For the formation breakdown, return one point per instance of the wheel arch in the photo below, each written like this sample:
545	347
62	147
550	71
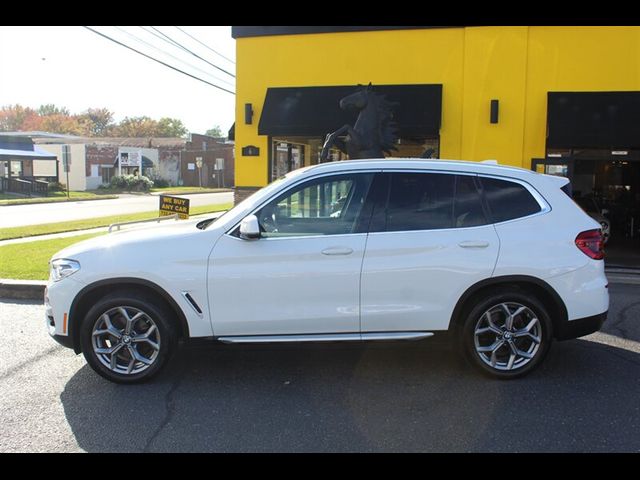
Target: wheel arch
89	294
542	290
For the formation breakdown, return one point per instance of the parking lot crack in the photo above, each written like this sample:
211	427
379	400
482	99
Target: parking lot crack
29	362
169	401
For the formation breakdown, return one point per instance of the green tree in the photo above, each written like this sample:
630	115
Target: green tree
52	109
215	132
99	121
136	127
171	127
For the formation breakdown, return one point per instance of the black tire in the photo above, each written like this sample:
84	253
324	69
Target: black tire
489	312
144	351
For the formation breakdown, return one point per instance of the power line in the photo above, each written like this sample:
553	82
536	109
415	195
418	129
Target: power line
158	61
204	45
138	39
174	57
192	53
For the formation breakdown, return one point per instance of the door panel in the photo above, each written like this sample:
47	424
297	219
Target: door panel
303	275
412	280
429	242
286	285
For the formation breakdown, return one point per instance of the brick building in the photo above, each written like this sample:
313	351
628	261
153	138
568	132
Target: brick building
175	160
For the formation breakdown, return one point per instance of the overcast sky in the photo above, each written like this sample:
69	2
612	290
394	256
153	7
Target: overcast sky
75	68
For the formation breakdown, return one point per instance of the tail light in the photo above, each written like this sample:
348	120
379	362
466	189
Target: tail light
591	243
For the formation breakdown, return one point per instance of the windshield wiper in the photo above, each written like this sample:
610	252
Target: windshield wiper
205	223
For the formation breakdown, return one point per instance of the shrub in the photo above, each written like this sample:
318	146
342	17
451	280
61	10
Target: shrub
57	187
131	183
160	182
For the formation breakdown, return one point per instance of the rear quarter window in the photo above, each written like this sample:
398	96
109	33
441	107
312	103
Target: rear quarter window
508	200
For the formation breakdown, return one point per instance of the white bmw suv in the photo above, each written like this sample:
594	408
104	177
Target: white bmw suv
365	250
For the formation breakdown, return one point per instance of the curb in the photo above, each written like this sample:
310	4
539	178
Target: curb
66	200
22	289
627	279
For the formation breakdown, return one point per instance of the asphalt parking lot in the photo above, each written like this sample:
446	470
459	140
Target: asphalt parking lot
323	398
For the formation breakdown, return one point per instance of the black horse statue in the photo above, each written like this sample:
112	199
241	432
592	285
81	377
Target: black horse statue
374	132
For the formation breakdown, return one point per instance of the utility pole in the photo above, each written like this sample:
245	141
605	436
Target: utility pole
66	163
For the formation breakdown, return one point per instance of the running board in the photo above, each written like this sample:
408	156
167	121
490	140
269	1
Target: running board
331	337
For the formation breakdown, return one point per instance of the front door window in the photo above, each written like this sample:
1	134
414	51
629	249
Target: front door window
327	206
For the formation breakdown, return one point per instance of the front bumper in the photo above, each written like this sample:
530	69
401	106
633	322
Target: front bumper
580	326
58	297
64	340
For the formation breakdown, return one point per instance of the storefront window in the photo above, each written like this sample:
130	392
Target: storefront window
286	158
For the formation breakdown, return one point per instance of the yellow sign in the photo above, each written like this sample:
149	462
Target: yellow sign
172	205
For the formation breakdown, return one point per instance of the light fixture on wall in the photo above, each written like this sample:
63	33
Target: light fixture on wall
248	113
493	118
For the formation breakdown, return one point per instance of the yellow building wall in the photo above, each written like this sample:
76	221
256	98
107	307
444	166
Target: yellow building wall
515	65
494	68
386	57
577	59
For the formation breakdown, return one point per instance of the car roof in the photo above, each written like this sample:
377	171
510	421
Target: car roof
421	164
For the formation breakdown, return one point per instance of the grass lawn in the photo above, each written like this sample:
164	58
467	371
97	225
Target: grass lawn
43	229
30	260
184	190
6	199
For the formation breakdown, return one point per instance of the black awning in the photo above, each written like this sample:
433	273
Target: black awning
315	111
593	120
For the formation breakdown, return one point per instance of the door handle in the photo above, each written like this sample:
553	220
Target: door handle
474	244
337	251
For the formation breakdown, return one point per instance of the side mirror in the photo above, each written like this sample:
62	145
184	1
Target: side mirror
250	228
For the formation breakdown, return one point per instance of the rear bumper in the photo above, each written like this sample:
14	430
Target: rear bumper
580	327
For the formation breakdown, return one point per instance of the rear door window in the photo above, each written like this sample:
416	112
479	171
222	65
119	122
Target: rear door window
468	210
420	201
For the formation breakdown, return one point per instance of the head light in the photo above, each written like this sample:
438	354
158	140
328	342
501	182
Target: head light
61	268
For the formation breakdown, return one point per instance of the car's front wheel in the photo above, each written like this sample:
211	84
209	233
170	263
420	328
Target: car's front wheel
507	334
127	337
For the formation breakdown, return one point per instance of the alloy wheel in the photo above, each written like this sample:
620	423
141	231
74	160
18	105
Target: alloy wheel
507	336
126	340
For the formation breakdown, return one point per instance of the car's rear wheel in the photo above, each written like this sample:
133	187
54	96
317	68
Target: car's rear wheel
127	337
507	334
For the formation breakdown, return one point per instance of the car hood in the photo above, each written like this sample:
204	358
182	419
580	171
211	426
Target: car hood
139	239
